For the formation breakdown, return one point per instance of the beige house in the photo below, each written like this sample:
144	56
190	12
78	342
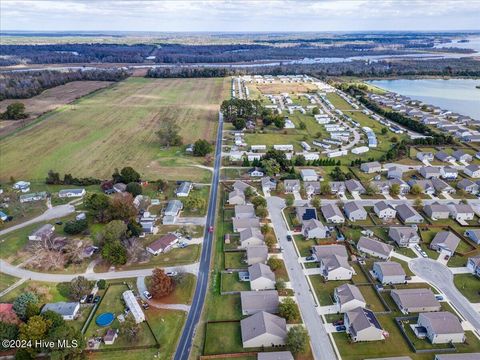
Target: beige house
263	329
442	327
415	300
362	325
348	297
261	277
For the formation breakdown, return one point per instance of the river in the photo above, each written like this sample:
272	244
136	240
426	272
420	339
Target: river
458	95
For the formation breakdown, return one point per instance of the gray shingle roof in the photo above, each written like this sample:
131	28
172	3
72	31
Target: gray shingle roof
442	322
445	239
347	292
374	245
61	308
258	271
263	323
390	268
361	319
255	301
275	355
330	210
409	298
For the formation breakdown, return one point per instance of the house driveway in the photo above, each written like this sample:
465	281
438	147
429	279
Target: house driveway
191	220
330	309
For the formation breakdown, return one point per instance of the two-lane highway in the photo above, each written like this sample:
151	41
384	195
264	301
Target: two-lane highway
185	343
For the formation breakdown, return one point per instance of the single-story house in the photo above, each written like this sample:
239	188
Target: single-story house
462	356
415	300
337	188
163	244
425	156
23	186
384	211
263	329
236	197
71	193
445	241
132	303
448	173
362	325
173	208
441	187
241	185
408	215
333	261
257	254
394	172
261	277
468	186
268	184
389	272
404	235
354	212
461	212
442	327
256	301
312	187
42	195
332	214
68	310
371	167
473	234
443	156
460	155
184	189
244	211
256	172
314	229
374	247
472	171
437	211
348	297
251	236
119	187
43	233
308	175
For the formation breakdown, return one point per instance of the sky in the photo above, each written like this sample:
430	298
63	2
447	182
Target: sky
239	15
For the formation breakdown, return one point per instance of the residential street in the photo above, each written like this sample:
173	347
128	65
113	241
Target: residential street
440	276
321	346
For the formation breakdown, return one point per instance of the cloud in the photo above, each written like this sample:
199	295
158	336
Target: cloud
245	15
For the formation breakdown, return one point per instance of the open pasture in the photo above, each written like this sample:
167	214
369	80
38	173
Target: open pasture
116	127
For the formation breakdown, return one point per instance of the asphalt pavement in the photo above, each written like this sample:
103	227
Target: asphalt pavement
186	339
321	346
442	278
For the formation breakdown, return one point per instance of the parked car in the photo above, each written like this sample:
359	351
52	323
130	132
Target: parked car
310	258
83	299
338	323
90	298
59	223
439	297
147	294
96	299
341	328
446	257
289	238
171	273
408	277
424	254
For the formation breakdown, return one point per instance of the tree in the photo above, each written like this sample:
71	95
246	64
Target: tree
316	202
15	111
259	201
281	187
239	124
8	331
289	199
31	310
161	284
249	192
302	125
297	339
128	175
271	167
279	122
63	332
35	329
395	190
325	188
195	202
130	328
300	160
274	263
315	111
202	147
168	133
98	204
79	287
73	227
134	188
370	189
261	212
415	189
101	284
21	302
115	230
114	253
134	228
270	241
122	208
418	203
384	130
288	309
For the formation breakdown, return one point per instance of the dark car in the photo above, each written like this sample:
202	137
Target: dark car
338	323
90	298
289	237
59	223
310	258
96	299
341	328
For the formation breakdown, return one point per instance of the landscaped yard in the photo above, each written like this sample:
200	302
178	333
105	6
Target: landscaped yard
235	260
324	290
231	282
371	298
469	286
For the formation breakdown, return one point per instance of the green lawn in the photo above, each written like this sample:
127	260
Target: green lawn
6	281
46	291
223	338
360	277
324	290
469	286
230	282
235	260
184	288
406	252
167	326
371	298
224	307
304	245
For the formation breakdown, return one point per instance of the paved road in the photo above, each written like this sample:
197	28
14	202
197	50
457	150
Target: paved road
9	269
441	277
52	213
321	346
185	343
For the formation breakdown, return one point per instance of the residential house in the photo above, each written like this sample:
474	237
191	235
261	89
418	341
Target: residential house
184	189
71	193
443	156
473	264
42	195
173	208
472	170
257	254
468	186
448	173
291	185
67	310
337	188
110	336
242	186
354	212
305	212
436	211
404	235
251	236
43	233
371	167
314	229
355	187
312	187
23	186
131	303
261	277
374	247
441	187
408	215
256	172
441	327
415	300
119	187
348	297
333	261
460	155
384	211
429	172
244	211
163	244
473	234
308	175
395	172
425	185
461	212
263	330
332	214
424	156
461	356
445	241
268	184
389	272
362	325
257	301
236	197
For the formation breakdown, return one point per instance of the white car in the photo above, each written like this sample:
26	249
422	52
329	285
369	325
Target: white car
171	273
147	295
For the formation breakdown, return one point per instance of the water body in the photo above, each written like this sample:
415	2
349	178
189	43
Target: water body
473	43
457	95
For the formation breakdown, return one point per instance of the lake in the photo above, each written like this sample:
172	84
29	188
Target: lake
458	95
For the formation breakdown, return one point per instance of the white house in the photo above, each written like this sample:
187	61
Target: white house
442	327
461	212
308	175
132	303
333	261
472	171
261	277
263	330
389	272
362	325
68	310
348	297
374	247
384	211
71	193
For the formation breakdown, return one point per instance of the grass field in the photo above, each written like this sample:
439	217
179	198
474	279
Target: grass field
7	281
469	286
89	137
183	293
